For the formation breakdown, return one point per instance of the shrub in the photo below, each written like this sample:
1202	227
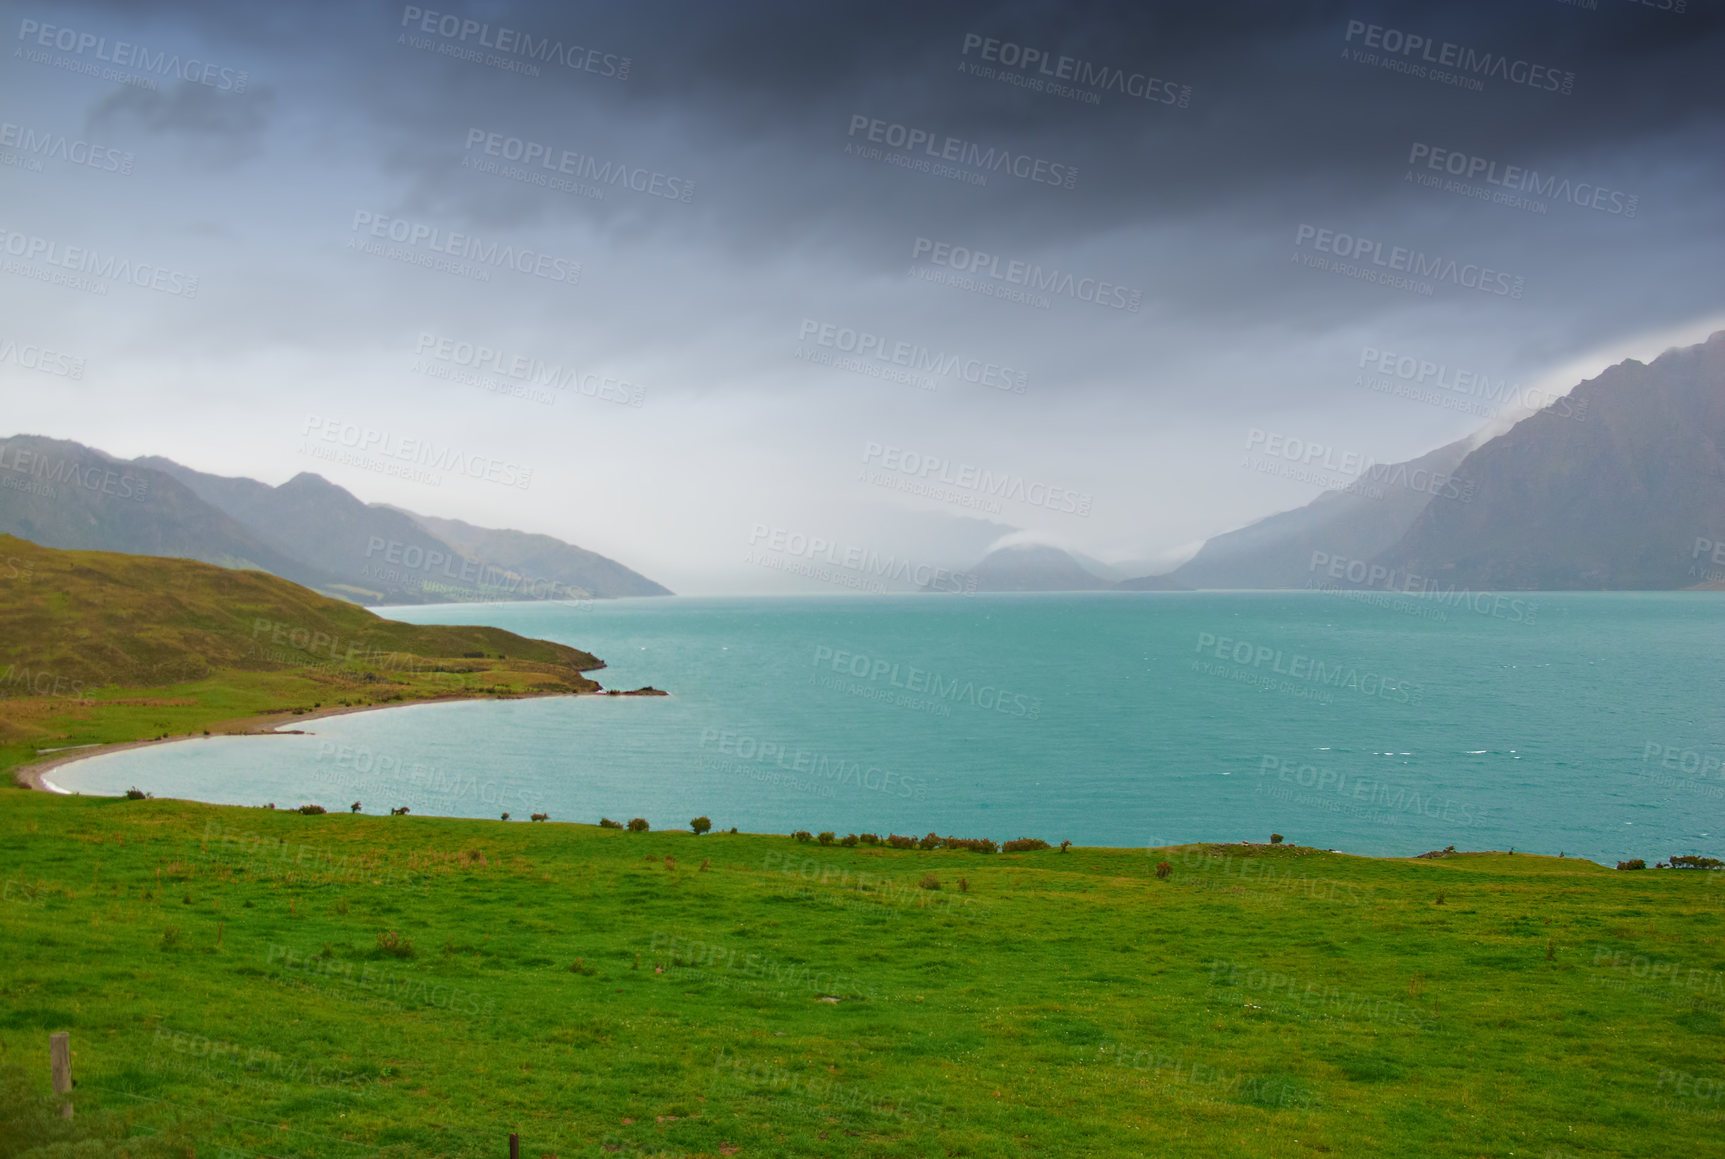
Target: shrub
970	844
849	840
871	838
1688	861
1275	839
929	881
826	837
802	835
170	937
1163	869
1439	899
1025	845
897	842
733	828
391	943
604	823
1636	863
312	810
505	817
580	966
638	825
700	825
932	841
135	794
1065	845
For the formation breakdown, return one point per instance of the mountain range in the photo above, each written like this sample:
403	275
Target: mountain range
1620	485
65	495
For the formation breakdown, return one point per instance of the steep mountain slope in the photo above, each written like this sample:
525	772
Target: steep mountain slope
1632	497
1277	551
65	495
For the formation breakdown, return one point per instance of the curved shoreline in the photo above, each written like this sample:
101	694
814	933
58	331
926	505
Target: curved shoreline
30	776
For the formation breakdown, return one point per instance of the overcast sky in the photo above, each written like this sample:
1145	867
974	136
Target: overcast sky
713	200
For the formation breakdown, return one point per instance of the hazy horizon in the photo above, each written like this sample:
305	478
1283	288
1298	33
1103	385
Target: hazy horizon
319	218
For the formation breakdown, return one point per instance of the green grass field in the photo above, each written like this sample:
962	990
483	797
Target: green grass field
252	982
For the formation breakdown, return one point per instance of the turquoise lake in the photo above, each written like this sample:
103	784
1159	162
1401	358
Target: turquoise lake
1586	723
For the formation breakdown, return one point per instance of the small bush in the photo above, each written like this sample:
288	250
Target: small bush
871	838
1025	845
849	840
1065	845
733	828
802	835
170	937
312	810
638	825
969	844
135	794
1439	899
580	966
701	824
1275	839
1163	869
897	842
605	823
825	837
1636	863
929	881
391	943
505	817
1688	861
932	841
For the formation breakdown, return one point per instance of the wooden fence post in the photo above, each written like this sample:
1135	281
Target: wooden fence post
514	1145
60	1055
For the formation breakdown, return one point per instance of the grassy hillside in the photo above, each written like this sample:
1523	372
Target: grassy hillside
263	983
98	646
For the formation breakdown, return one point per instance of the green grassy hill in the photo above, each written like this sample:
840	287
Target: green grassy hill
248	982
98	646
